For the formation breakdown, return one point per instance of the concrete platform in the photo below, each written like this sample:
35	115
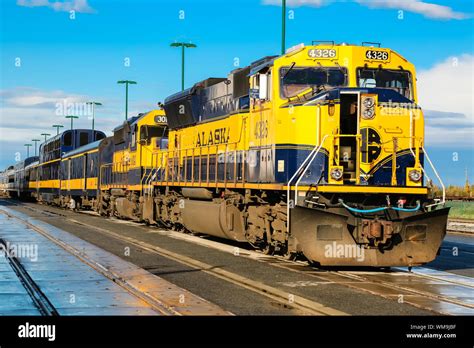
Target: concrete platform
79	278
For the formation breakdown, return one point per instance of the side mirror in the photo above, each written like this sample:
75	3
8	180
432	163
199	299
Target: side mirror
263	87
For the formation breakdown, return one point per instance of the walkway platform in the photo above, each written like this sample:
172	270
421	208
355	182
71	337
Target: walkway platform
79	278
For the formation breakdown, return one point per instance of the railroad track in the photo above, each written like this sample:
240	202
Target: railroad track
397	284
300	305
460	226
40	300
162	307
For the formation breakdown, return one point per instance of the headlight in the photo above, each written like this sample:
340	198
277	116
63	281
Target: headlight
368	114
368	102
336	174
368	107
414	175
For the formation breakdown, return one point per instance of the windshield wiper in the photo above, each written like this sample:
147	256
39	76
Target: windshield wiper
291	68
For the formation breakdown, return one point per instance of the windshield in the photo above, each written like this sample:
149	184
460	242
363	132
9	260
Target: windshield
397	80
296	80
157	131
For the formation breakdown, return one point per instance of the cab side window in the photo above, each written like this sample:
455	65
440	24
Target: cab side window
68	139
134	139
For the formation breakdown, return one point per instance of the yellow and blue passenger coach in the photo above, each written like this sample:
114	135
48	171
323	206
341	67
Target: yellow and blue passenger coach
50	180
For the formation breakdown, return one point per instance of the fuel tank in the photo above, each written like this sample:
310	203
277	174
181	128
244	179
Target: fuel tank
213	218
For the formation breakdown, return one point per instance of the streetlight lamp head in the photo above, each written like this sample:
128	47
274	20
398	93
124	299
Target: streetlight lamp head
93	103
130	82
185	44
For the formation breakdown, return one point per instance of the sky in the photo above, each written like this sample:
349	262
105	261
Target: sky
56	52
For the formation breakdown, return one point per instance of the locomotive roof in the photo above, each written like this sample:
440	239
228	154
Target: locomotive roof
27	161
188	91
32	164
261	64
128	122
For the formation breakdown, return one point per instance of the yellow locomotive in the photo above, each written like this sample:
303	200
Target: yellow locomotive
318	152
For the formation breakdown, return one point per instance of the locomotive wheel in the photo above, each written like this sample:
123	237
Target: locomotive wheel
290	256
269	249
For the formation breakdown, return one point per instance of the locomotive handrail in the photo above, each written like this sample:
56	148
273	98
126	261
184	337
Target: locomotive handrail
123	173
155	167
149	179
313	156
418	164
437	176
310	158
315	151
145	177
179	154
358	139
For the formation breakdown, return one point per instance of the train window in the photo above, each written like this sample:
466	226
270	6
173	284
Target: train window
83	138
161	143
398	80
148	132
156	131
68	139
134	136
295	80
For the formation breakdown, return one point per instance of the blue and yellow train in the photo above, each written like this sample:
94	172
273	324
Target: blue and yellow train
318	152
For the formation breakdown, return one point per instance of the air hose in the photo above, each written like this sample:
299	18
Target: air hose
375	210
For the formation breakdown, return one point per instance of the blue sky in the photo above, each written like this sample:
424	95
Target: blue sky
81	59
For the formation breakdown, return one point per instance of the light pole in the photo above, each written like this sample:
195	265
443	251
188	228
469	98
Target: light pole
57	126
93	103
72	119
36	144
46	135
126	82
183	45
27	150
283	23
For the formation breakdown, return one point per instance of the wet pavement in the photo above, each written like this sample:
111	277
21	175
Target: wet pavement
428	290
70	273
72	287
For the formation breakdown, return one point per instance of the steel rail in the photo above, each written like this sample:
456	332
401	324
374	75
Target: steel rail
39	299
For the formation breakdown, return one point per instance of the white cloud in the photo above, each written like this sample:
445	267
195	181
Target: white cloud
445	92
60	6
26	112
27	97
426	9
448	86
